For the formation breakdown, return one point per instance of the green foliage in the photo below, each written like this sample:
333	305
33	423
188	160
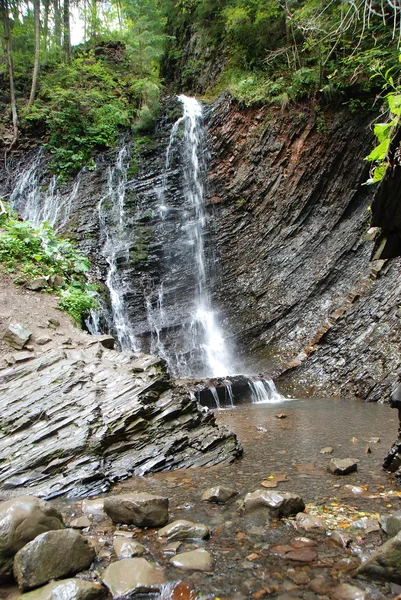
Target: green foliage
30	251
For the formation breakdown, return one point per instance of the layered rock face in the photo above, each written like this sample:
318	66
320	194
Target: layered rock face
298	287
75	421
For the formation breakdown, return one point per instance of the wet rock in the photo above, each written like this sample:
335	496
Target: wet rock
355	489
384	563
326	450
218	494
305	555
51	555
172	548
321	585
183	530
298	577
67	589
367	523
21	520
138	508
302	542
131	576
195	560
124	548
308	522
277	504
17	336
80	523
345	591
93	507
391	524
342	466
38	284
341	539
347	564
107	341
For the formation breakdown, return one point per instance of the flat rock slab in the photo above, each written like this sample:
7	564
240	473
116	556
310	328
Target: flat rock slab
218	494
125	548
385	563
184	530
75	421
17	336
196	560
277	504
342	466
139	508
131	576
22	519
67	589
52	555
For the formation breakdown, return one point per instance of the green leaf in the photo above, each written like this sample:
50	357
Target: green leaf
380	152
379	172
382	130
394	103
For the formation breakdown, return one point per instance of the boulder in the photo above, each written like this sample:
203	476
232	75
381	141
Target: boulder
67	589
52	555
342	466
106	340
131	576
195	560
385	563
21	520
277	504
17	336
218	494
183	530
139	508
125	548
391	524
43	340
40	283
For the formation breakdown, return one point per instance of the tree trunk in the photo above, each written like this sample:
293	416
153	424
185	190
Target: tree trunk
8	50
36	12
46	10
66	31
57	22
93	19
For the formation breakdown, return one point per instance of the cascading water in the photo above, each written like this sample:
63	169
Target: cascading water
115	234
202	350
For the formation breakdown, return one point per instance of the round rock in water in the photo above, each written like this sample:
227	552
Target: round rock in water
52	555
342	466
345	591
140	509
277	504
125	548
184	530
67	589
218	494
196	560
21	520
130	576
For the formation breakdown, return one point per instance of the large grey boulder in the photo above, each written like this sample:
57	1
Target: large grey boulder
52	555
342	466
277	504
184	530
131	576
139	508
195	560
17	336
385	563
21	520
67	589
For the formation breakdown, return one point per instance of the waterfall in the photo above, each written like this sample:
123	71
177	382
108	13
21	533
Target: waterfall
40	201
263	391
115	234
201	350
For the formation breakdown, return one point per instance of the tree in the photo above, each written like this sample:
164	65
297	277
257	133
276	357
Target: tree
66	31
36	9
8	50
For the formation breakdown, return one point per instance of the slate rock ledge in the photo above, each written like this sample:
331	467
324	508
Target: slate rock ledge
73	422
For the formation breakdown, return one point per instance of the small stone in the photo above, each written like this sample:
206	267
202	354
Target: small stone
67	589
326	450
196	560
52	555
183	530
345	591
93	507
302	555
308	522
341	539
139	508
80	523
21	520
38	284
302	542
277	504
124	548
43	340
22	357
218	494
130	576
53	323
354	489
17	336
374	440
298	577
342	466
321	585
281	416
